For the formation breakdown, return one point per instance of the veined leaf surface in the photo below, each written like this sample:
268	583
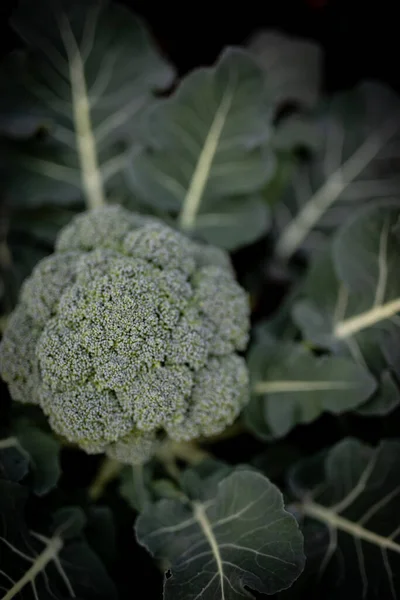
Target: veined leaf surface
89	72
356	163
295	387
349	501
239	536
54	563
205	156
355	289
351	297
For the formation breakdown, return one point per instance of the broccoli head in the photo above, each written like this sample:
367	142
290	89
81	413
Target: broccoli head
129	331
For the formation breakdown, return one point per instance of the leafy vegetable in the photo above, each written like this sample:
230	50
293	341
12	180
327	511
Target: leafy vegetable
350	507
239	536
360	292
57	563
199	315
77	81
30	448
292	386
204	154
355	163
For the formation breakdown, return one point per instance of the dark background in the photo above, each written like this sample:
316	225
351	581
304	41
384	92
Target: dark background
360	39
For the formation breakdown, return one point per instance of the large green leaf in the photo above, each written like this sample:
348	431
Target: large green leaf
238	535
234	222
295	387
355	163
293	67
351	297
205	156
89	72
53	560
356	289
348	501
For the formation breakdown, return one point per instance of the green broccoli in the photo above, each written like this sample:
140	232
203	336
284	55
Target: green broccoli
128	332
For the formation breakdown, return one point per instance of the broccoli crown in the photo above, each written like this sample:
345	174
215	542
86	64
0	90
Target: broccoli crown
129	329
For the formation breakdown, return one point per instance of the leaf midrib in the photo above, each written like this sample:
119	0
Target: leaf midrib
85	139
205	525
330	518
39	564
298	229
192	201
276	387
348	327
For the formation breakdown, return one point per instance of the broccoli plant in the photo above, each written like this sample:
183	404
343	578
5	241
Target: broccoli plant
200	310
128	331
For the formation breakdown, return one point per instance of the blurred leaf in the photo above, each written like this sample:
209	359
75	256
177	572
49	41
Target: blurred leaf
201	481
349	500
54	563
356	289
90	71
43	450
29	449
297	132
296	387
212	550
356	162
351	296
234	223
385	400
292	65
205	156
14	461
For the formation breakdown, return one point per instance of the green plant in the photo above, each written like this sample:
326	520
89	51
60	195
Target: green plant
127	330
155	397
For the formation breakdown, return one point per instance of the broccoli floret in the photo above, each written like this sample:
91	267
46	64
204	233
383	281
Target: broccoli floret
18	363
135	448
220	390
51	277
129	330
106	227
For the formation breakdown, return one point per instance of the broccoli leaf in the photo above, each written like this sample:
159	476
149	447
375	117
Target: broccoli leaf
234	223
205	154
292	66
240	535
351	296
385	400
349	500
296	387
31	449
90	71
14	461
354	289
356	162
56	562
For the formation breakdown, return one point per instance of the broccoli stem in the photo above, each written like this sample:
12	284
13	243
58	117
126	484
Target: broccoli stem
109	470
171	451
168	454
189	452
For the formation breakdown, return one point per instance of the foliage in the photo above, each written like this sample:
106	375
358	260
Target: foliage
200	318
